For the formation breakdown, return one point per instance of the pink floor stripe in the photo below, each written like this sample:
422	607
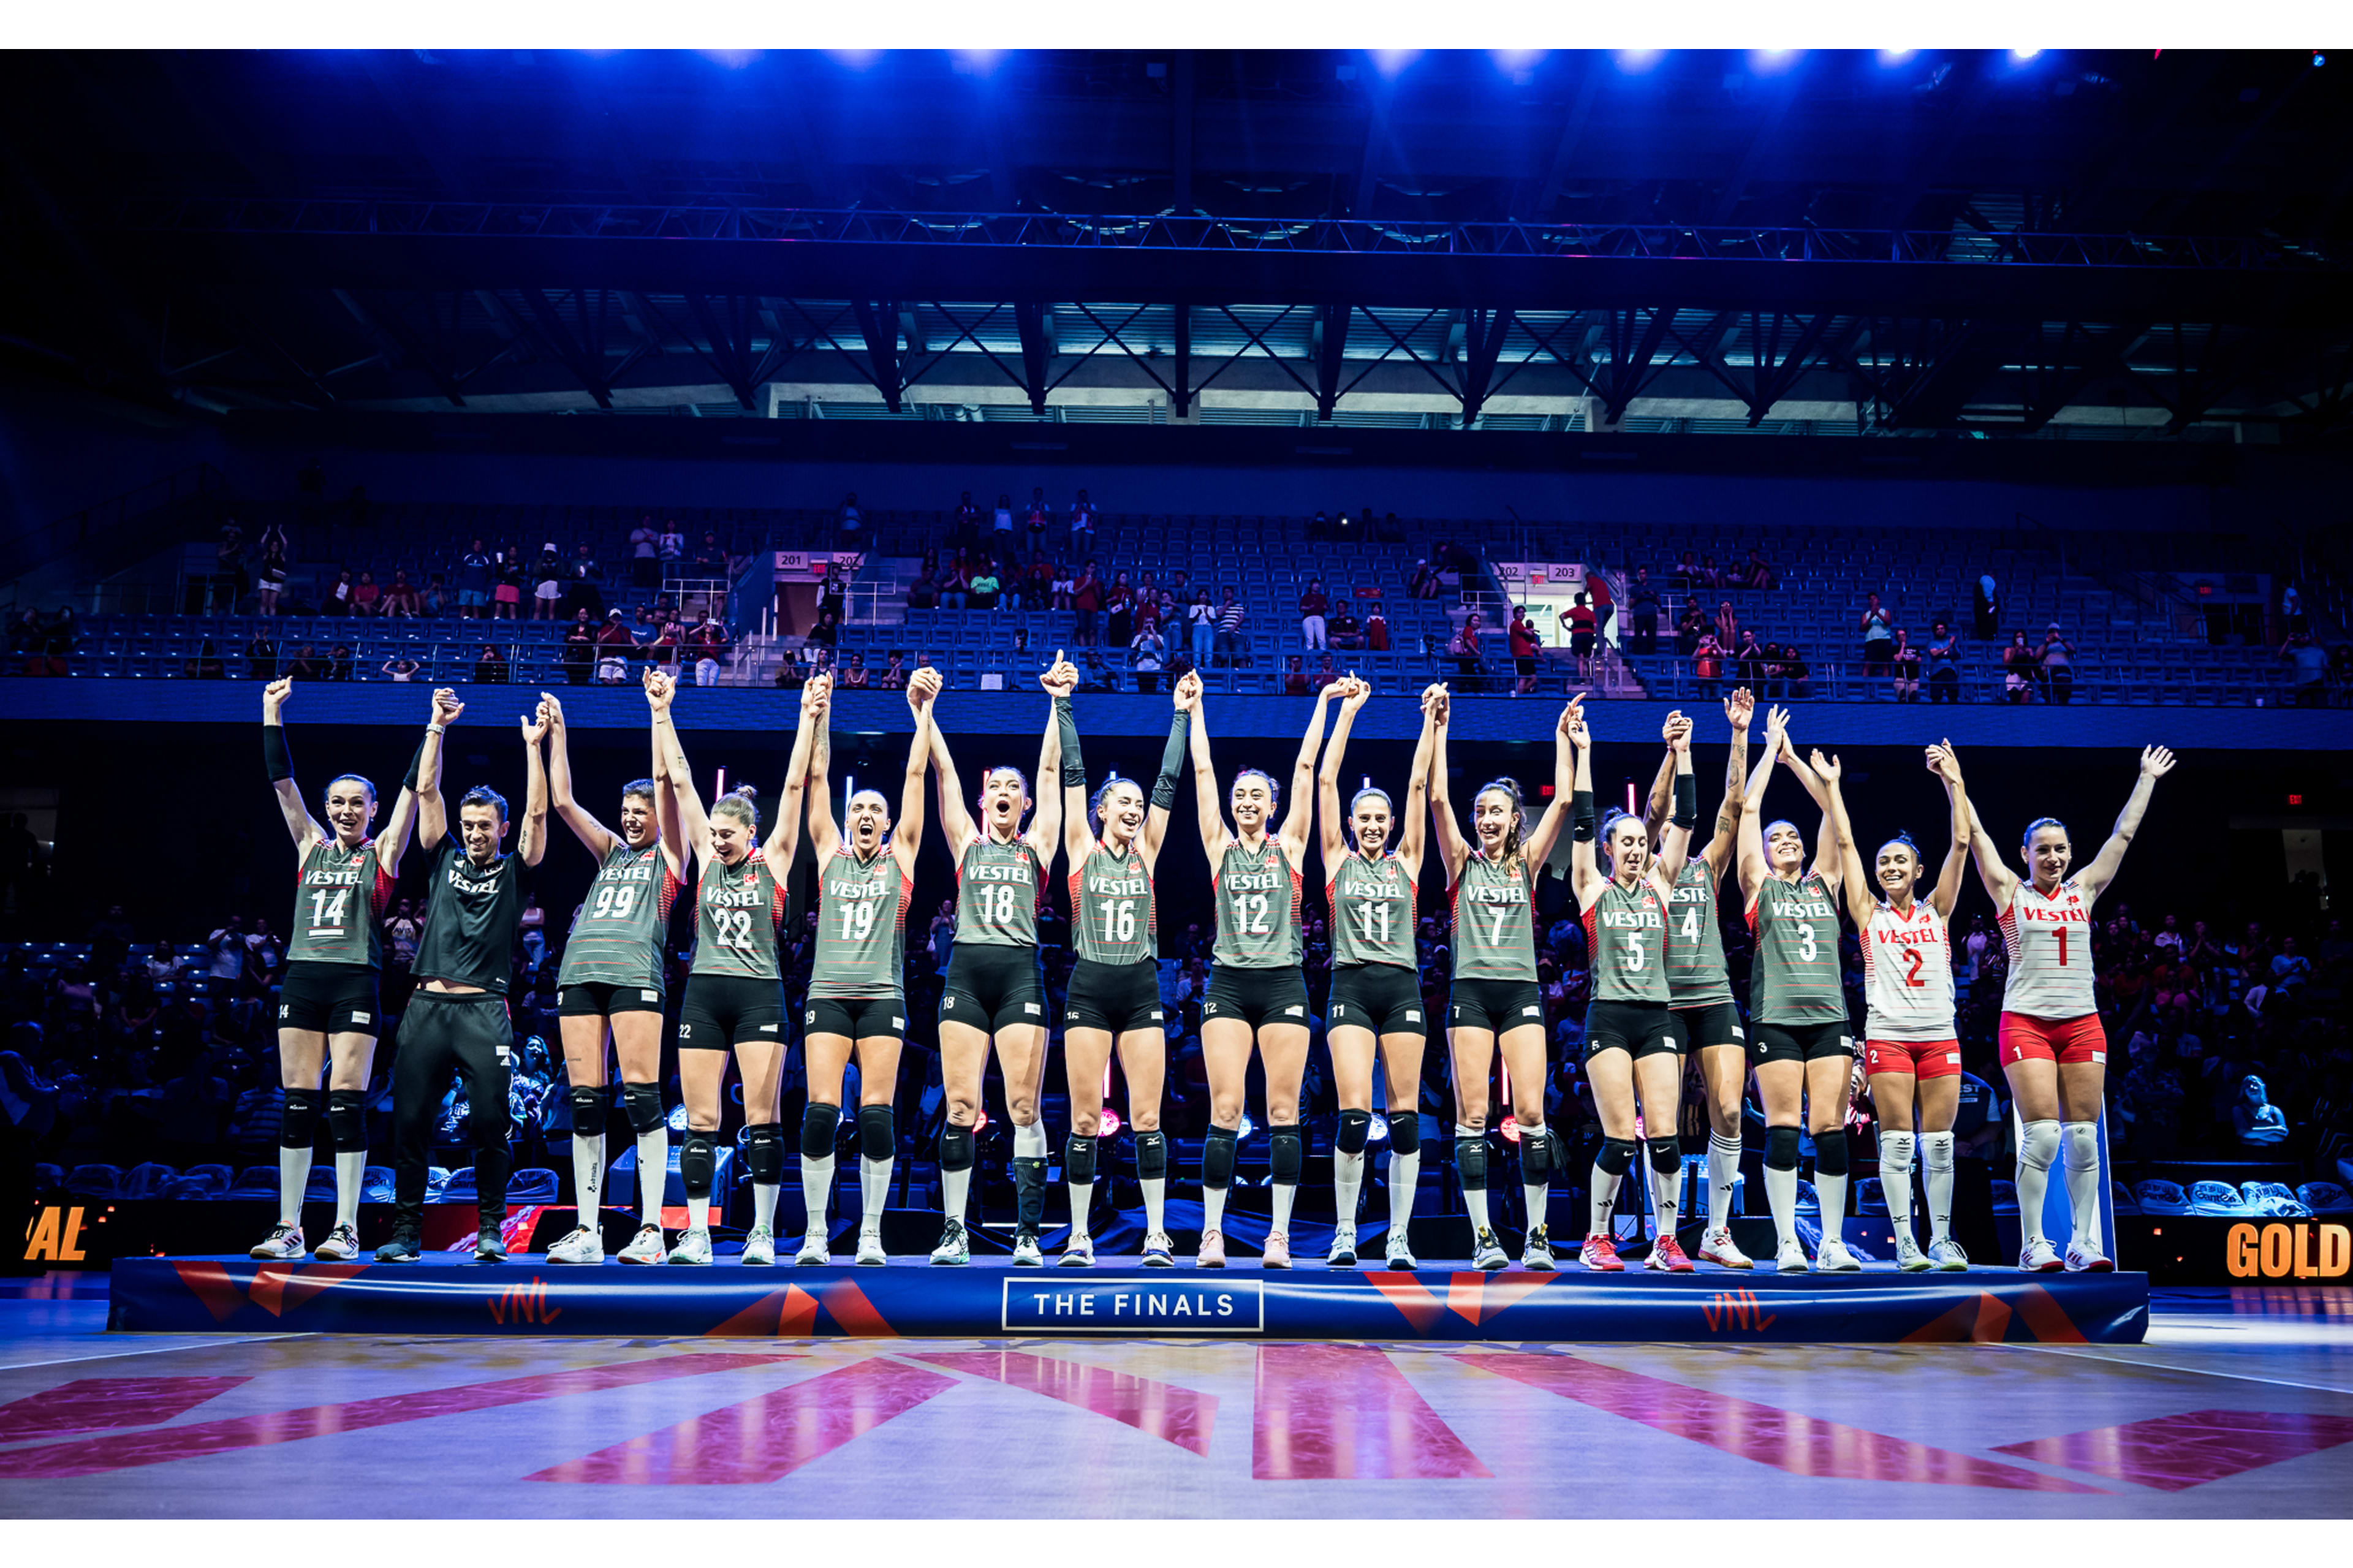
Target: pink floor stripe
1333	1413
94	1402
94	1456
762	1439
1161	1410
2174	1453
1800	1445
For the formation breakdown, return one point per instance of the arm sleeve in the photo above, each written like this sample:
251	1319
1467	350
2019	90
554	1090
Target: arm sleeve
1686	815
1172	761
416	764
274	754
1581	815
1074	766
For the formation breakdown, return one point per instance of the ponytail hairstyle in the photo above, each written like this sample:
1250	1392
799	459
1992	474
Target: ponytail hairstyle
1095	804
2037	826
1906	839
1349	825
1512	834
1610	821
368	785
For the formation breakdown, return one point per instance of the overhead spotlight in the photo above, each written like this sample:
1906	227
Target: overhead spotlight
2022	55
977	62
1379	1131
1510	1129
1243	1131
1634	62
1767	61
856	59
2319	60
1390	62
1895	56
1511	62
734	59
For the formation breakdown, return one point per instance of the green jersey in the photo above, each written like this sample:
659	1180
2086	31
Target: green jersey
1112	908
1494	922
736	911
1696	974
618	938
997	893
1372	912
1258	907
339	897
862	926
1624	928
1796	961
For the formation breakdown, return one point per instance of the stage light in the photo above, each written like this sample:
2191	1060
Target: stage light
1379	1131
734	59
1390	62
1895	56
856	59
977	62
1243	1131
1764	62
1510	1129
677	1121
1111	1123
2022	55
1516	62
2319	60
979	1119
1634	62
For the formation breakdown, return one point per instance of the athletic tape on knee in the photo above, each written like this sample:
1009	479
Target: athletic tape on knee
300	1128
1616	1155
1286	1153
1666	1154
2039	1145
818	1124
1405	1133
1895	1153
878	1133
1535	1159
697	1159
347	1121
2083	1140
1781	1147
1356	1132
1830	1153
642	1103
1152	1156
1470	1160
1936	1151
1217	1157
764	1152
955	1148
1079	1158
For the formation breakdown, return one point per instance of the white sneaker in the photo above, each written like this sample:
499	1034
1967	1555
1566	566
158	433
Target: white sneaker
583	1245
283	1243
1344	1248
694	1248
1400	1258
1276	1254
760	1246
1908	1256
1832	1258
954	1248
1537	1253
812	1254
870	1249
1716	1246
646	1246
1026	1251
2081	1259
1159	1250
1079	1252
1792	1257
1947	1255
343	1244
1487	1253
2039	1257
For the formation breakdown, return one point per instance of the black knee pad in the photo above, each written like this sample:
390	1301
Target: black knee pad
1616	1155
592	1107
764	1152
641	1102
1830	1153
1217	1157
818	1125
955	1148
1356	1132
299	1129
1781	1147
1287	1152
1152	1156
1405	1133
1535	1159
877	1134
1470	1163
696	1162
1666	1154
347	1121
1079	1158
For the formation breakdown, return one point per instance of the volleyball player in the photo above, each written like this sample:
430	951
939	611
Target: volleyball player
329	1007
1802	1045
1495	1004
1372	864
857	995
1113	843
458	1024
612	978
1911	1045
1258	988
2053	1051
1699	986
735	989
1630	1042
993	990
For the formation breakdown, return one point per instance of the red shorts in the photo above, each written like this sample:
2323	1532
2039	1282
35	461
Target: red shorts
1921	1058
2047	1039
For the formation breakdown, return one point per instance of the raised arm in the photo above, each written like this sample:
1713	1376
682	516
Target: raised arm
1568	738
1738	708
1817	786
400	826
670	829
785	834
1834	831
1331	838
1675	844
907	833
1172	758
2156	762
1750	842
530	842
1413	827
1999	882
1212	821
1861	901
1071	764
1661	798
1584	877
824	836
1947	767
1299	815
693	824
1454	850
300	823
955	817
432	813
593	834
1046	822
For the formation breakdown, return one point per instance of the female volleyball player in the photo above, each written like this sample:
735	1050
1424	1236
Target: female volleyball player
1258	990
612	979
1630	1042
857	995
994	989
1113	843
1372	864
735	990
2054	1049
1495	1004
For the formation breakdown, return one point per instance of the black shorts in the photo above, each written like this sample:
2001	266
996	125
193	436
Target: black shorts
1494	1006
992	987
1708	1024
331	998
1116	997
856	1018
1257	996
722	1011
1639	1029
1383	997
1799	1042
602	999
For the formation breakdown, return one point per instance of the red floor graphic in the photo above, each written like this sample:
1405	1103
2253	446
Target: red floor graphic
1800	1445
94	1456
95	1403
2174	1453
1331	1412
1162	1410
762	1439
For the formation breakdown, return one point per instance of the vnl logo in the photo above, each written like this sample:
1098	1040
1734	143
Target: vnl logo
1132	1306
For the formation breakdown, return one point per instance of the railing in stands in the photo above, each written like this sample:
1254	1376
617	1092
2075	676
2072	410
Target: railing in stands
107	520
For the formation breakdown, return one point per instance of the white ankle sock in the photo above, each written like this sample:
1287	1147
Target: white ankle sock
1781	1198
2038	1146
1156	1202
1285	1192
1896	1180
955	1187
1723	1176
697	1214
1605	1199
2081	1140
653	1174
1213	1207
1083	1197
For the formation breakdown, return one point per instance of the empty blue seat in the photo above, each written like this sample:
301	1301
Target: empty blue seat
457	1187
534	1185
148	1180
214	1179
255	1181
95	1181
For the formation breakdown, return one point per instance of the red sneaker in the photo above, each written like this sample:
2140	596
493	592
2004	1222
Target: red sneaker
1600	1254
1667	1253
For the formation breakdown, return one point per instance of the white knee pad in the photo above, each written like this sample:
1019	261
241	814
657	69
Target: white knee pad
1895	1151
1936	1150
2039	1145
2082	1139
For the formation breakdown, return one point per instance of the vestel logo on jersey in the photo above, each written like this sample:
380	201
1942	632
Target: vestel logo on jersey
1802	908
321	878
1254	881
735	898
1496	894
2050	914
1908	936
1000	871
1647	918
1119	887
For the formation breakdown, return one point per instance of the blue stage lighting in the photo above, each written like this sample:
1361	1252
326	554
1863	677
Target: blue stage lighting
1513	62
1379	1131
1895	56
734	59
855	59
1390	62
1766	62
977	62
2022	55
1634	62
1245	1130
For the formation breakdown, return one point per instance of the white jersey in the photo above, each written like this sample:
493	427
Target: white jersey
2048	939
1908	976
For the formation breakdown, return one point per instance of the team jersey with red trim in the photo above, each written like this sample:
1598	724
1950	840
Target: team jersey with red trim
1111	908
1794	977
2048	939
1624	929
737	911
1372	912
1494	921
862	926
1907	976
618	938
997	892
340	896
1696	972
1258	898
